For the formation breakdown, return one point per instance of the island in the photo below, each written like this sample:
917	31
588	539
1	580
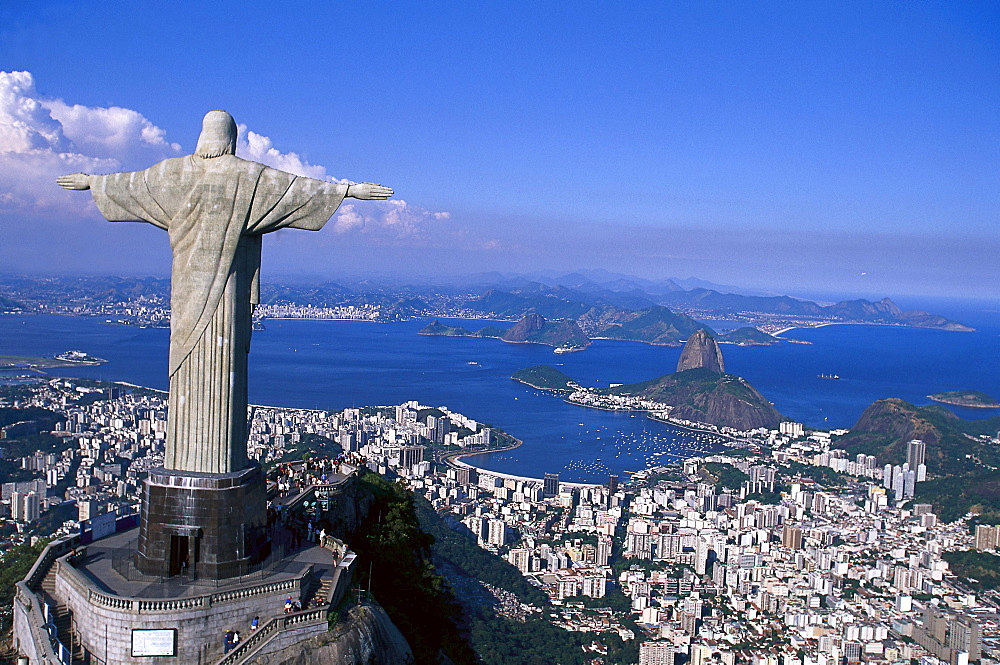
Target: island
564	334
61	360
545	377
748	336
79	358
970	398
435	327
654	325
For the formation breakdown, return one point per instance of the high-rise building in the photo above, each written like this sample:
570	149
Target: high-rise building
520	557
700	654
965	634
25	507
916	451
32	507
410	456
603	550
17	506
791	537
612	484
656	653
550	484
496	532
793	430
85	509
987	537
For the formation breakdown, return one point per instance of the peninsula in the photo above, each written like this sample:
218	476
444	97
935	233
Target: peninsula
970	398
545	377
699	392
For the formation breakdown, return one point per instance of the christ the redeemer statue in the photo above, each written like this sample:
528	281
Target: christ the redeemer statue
215	208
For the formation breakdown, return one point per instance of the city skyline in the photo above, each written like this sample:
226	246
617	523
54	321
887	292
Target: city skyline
779	147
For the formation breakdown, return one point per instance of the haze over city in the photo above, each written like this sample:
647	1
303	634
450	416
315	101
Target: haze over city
797	148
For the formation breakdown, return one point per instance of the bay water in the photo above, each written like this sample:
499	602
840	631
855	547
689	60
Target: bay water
332	365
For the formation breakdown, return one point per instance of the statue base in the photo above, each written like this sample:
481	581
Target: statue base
204	525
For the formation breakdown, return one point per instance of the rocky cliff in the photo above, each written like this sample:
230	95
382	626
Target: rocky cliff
705	396
701	351
365	636
534	328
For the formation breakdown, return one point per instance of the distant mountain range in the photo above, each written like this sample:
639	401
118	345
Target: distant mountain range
596	306
597	300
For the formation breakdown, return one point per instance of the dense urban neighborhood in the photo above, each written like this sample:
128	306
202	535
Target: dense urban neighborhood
778	550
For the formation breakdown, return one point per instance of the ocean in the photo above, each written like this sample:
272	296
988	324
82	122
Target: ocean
337	364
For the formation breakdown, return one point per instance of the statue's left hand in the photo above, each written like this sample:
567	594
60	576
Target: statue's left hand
369	191
74	181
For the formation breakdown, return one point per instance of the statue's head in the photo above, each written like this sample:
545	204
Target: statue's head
218	135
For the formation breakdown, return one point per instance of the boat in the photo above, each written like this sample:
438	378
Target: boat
828	376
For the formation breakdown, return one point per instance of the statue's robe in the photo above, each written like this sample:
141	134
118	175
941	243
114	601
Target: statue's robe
215	211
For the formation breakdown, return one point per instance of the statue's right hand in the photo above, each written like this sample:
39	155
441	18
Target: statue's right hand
369	191
74	181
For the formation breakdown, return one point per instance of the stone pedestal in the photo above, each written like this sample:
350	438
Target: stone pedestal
202	524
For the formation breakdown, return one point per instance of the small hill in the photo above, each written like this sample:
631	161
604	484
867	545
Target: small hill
490	331
535	329
435	327
748	336
953	444
9	305
963	462
969	398
701	351
545	377
706	396
654	325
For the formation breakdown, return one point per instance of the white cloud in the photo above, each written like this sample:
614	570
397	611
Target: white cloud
258	148
42	138
392	218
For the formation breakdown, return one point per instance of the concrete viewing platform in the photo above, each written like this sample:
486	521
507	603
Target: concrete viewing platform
88	603
108	565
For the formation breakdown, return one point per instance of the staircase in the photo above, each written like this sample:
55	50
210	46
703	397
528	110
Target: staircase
318	592
61	618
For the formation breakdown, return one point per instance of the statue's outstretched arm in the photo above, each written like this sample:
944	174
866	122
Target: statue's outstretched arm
74	181
368	191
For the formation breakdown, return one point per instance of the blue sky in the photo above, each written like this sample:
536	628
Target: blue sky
799	147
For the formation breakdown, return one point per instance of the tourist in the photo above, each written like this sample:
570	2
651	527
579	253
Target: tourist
254	623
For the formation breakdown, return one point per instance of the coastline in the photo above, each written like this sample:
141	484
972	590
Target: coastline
964	406
547	390
454	460
650	413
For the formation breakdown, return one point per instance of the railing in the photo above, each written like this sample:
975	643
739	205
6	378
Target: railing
52	551
263	634
45	645
139	606
123	563
49	648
